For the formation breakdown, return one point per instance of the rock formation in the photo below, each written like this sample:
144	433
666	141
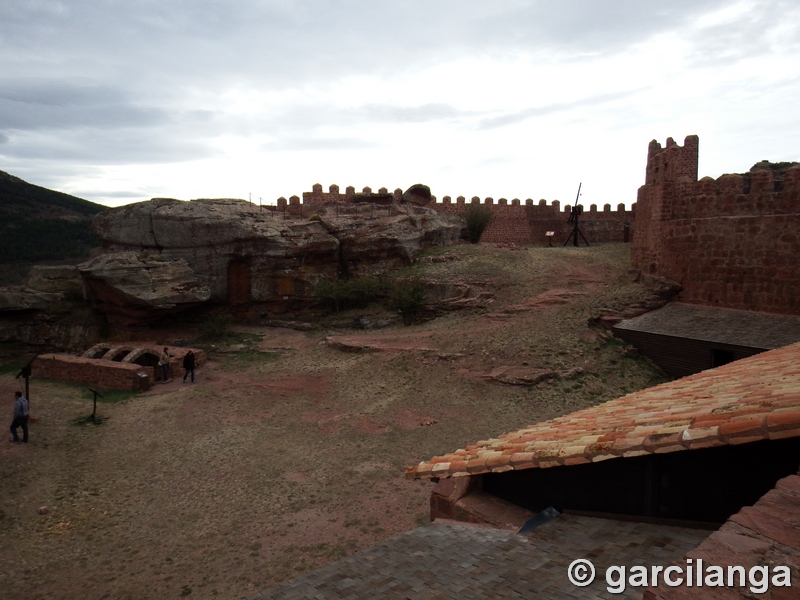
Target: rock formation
230	251
53	319
131	287
418	194
19	298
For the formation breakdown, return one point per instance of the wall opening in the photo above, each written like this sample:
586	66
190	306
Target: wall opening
721	357
118	355
146	359
239	282
707	485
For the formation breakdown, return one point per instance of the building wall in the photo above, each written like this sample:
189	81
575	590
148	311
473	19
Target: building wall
679	357
92	372
515	221
731	242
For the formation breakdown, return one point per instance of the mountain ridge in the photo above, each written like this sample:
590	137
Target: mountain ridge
41	226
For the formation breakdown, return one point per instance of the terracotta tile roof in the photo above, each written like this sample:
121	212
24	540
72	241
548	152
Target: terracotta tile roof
748	400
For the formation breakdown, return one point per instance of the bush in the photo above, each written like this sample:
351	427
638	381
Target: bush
216	329
407	296
341	294
477	217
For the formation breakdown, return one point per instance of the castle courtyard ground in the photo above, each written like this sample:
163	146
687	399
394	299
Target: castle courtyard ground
289	453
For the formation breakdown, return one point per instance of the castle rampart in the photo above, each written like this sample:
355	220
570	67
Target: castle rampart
515	221
732	242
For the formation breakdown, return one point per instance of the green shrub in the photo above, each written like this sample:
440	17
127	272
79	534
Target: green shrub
407	296
341	294
477	217
216	329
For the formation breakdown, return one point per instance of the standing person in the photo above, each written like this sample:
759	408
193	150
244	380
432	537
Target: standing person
188	365
164	362
21	414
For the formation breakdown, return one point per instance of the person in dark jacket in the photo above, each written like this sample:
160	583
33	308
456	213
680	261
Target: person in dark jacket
188	366
20	417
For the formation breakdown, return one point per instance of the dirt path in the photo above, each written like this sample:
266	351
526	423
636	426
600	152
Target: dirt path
273	464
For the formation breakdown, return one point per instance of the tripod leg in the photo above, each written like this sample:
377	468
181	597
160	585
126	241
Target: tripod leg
576	237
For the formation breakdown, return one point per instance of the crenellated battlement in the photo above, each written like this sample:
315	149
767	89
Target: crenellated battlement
730	241
318	196
672	163
516	221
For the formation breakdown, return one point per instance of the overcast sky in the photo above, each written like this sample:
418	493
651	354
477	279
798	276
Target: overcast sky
121	101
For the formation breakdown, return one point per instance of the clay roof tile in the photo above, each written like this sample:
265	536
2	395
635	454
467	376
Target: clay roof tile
752	399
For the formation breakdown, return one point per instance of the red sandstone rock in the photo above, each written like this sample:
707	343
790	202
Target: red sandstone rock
243	254
131	288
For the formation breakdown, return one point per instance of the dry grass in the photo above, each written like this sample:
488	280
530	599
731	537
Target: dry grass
272	465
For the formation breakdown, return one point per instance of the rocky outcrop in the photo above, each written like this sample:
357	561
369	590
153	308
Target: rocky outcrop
63	279
18	299
133	287
45	320
528	376
370	244
245	253
418	194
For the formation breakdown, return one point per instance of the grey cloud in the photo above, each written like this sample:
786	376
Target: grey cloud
305	144
589	26
752	35
285	43
56	104
95	81
122	195
540	111
408	114
106	147
308	118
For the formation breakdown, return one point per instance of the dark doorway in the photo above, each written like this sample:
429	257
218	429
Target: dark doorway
239	281
147	359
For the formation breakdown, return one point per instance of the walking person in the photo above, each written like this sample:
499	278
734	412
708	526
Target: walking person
188	366
21	414
164	362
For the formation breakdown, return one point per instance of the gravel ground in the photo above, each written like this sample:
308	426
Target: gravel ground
289	454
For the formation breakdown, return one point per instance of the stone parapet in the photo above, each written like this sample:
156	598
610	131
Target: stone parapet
515	221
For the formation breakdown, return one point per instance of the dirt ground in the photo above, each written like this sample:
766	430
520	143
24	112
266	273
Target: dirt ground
287	453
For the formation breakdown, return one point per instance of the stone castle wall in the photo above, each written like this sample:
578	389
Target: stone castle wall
731	242
515	221
99	374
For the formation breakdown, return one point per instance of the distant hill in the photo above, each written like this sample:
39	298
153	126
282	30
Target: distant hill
38	225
